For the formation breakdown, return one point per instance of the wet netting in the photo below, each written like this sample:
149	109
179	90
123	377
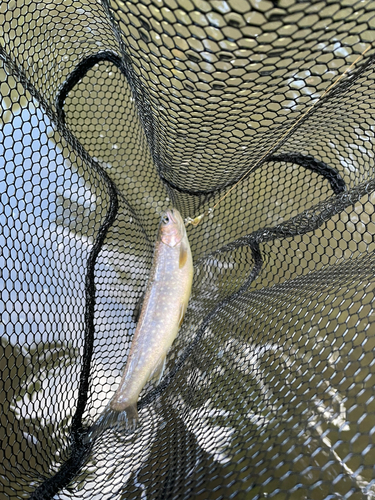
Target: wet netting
112	111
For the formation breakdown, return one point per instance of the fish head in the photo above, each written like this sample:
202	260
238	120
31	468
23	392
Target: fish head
171	228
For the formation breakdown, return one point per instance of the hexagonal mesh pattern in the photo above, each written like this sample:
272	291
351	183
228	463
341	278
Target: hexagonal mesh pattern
110	112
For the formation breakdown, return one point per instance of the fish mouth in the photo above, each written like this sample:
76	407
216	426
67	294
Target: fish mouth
170	214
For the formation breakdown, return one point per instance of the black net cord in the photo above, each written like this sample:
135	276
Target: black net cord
90	309
79	451
307	161
310	163
307	221
79	72
67	472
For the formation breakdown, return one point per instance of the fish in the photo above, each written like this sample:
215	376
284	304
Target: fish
164	305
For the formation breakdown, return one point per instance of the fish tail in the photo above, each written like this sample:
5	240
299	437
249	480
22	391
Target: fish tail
124	421
128	418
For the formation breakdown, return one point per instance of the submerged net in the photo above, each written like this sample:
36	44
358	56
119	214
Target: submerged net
113	111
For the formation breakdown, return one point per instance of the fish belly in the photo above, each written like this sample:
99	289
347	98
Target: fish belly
152	340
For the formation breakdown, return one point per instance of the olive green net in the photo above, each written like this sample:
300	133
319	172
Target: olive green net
112	111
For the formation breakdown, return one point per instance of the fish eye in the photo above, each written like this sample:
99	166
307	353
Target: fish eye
165	219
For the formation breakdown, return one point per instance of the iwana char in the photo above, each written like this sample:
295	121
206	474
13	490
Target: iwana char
165	302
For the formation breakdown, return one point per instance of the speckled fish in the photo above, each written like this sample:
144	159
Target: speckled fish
164	305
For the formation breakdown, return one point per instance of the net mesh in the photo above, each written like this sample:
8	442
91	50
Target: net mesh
112	111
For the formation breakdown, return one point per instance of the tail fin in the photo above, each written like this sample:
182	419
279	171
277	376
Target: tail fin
124	421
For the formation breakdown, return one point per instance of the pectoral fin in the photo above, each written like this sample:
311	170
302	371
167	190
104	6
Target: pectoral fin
183	254
157	372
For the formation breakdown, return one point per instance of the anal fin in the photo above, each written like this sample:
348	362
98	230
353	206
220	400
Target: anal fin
128	418
138	308
182	314
157	372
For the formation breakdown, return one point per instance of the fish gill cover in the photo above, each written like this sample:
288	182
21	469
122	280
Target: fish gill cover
112	111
